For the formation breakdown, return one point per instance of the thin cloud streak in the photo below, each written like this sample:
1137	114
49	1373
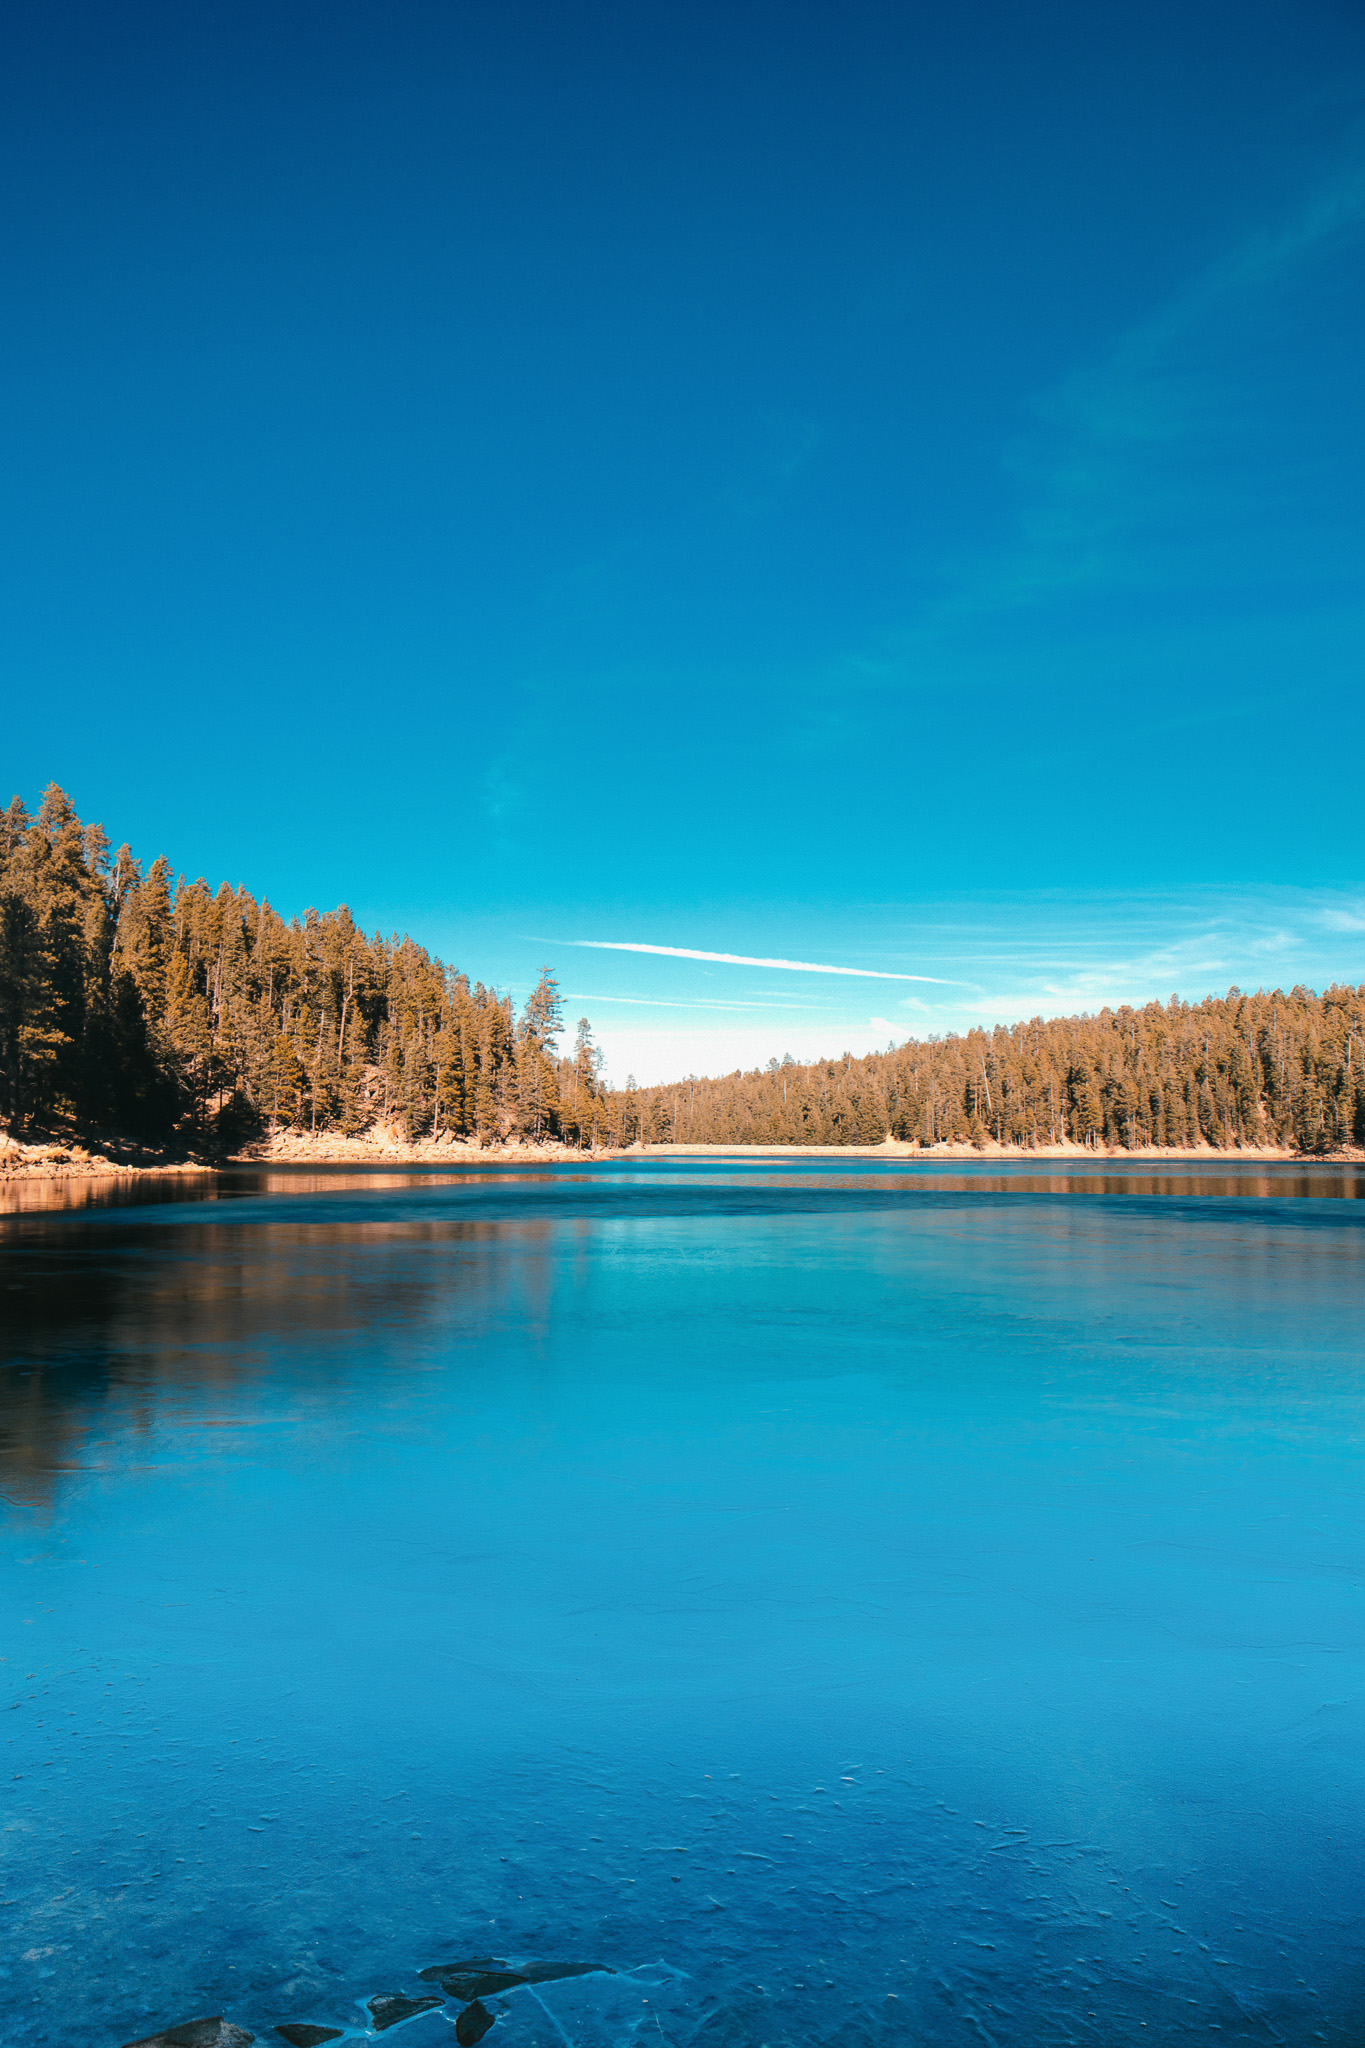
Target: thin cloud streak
751	960
1016	957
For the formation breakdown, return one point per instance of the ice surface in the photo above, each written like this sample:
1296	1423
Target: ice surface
206	2033
844	1614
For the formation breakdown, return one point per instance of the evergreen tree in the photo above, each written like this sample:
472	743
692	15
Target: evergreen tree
137	1005
537	1083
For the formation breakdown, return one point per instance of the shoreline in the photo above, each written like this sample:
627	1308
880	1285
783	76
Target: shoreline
894	1148
375	1150
51	1161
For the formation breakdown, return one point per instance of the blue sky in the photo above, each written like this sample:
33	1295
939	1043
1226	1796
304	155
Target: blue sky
875	486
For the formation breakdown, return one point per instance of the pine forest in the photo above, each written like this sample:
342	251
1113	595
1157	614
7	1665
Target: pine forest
155	1011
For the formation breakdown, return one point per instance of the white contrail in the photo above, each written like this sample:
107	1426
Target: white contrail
750	960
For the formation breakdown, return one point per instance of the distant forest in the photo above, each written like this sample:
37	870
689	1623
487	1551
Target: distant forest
147	1009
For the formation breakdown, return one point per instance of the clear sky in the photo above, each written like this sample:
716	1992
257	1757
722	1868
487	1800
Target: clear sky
878	486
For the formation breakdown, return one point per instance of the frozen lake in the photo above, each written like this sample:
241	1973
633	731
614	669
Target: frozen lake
849	1602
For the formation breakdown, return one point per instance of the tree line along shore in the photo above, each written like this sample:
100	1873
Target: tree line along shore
150	1013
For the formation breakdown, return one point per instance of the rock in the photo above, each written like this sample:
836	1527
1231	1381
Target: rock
551	1973
389	2007
484	1976
214	2033
481	1983
460	1966
473	2023
299	2034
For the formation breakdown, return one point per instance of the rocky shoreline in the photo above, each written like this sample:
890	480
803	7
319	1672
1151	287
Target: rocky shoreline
52	1162
55	1161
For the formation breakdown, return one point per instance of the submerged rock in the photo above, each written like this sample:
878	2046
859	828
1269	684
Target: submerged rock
550	1973
484	1976
212	2033
473	2023
300	2034
389	2007
481	1983
462	1966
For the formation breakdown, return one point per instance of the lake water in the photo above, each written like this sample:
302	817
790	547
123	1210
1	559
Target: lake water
850	1603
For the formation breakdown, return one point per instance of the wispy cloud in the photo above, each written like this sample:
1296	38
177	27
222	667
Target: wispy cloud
750	960
1076	964
1109	496
1351	919
1130	476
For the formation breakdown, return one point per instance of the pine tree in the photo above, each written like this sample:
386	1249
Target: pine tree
537	1088
143	1007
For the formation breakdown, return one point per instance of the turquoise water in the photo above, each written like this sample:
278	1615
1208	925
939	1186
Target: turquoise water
849	1604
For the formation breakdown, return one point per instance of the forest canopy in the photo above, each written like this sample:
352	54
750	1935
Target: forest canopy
153	1008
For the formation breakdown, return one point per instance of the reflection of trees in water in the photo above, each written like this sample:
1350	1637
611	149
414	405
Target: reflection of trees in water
19	1197
124	1318
127	1329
